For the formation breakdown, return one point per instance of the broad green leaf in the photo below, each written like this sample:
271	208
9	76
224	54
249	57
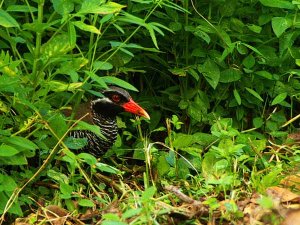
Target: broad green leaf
280	25
59	86
258	122
237	97
175	26
81	25
195	112
130	213
21	8
58	176
3	107
183	169
19	159
88	158
7	183
107	168
7	20
6	150
254	28
194	74
249	61
279	98
156	26
101	65
59	45
178	71
211	72
96	78
259	145
254	93
128	18
163	166
65	189
86	203
230	75
75	143
106	18
265	74
58	124
203	35
183	140
63	7
72	35
152	35
208	165
21	142
148	194
119	82
283	4
253	49
94	7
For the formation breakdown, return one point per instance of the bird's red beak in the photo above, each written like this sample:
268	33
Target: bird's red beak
134	108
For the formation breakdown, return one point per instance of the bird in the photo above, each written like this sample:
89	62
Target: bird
103	112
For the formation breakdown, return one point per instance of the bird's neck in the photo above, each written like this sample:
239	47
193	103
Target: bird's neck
108	128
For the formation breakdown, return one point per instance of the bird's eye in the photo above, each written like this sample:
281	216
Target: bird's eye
116	98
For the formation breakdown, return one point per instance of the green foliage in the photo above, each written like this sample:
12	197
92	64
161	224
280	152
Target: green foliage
225	72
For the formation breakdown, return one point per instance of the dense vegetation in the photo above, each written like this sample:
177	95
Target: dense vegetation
219	78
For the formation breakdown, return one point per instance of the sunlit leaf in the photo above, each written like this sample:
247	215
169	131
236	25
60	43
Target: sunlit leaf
255	94
7	20
279	98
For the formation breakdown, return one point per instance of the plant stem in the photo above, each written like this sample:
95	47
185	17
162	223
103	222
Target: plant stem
38	42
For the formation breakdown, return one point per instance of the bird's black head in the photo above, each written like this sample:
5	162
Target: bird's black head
117	100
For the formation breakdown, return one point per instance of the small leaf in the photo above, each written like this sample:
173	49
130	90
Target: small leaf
7	20
249	61
278	4
65	189
258	122
265	74
211	72
280	25
119	82
59	86
75	143
72	35
131	212
101	65
183	140
163	166
230	75
279	98
237	96
148	193
56	46
254	28
107	168
88	158
81	25
254	93
178	72
21	8
19	159
6	150
86	203
107	8
22	142
96	78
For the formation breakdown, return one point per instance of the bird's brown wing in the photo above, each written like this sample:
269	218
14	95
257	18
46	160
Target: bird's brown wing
83	110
